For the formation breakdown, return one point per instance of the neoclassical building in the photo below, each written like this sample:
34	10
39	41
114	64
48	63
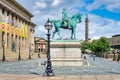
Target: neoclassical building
16	29
42	43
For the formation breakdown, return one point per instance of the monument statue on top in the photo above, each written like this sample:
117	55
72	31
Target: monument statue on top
66	23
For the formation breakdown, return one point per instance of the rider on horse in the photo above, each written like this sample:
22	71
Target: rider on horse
65	19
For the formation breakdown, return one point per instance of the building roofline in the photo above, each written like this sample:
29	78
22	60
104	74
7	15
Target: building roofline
30	14
40	38
116	35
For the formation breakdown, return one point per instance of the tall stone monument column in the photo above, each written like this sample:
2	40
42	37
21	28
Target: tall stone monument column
86	28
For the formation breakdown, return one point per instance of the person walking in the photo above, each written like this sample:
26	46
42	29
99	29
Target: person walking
85	62
118	55
94	57
38	50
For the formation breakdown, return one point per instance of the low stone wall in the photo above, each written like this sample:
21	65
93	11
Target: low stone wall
13	55
111	56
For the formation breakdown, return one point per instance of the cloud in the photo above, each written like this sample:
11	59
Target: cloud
98	26
40	31
110	5
40	4
36	12
56	2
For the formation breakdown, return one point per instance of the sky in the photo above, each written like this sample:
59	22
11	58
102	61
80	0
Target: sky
103	15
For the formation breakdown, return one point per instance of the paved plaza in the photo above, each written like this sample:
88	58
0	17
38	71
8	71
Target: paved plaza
100	66
65	77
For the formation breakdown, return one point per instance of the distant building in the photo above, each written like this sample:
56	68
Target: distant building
115	41
42	43
16	29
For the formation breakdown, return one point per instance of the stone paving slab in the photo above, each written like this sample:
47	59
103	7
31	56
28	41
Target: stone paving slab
58	77
105	77
88	77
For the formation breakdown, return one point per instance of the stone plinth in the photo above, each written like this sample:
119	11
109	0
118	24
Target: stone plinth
65	53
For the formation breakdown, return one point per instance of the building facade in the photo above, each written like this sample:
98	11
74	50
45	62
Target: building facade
115	41
42	43
16	29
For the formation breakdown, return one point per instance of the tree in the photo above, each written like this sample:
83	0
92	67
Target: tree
85	46
105	46
99	46
93	46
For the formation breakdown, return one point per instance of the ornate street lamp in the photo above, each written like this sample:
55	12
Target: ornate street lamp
3	44
19	57
49	70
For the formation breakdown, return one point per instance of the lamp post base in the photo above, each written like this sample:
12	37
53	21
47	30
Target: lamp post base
48	73
49	70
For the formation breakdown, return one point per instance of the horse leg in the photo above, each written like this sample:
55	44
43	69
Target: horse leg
53	34
74	34
59	33
71	34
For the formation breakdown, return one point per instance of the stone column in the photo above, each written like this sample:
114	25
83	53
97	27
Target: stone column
14	28
20	34
86	28
24	40
9	33
30	34
10	40
27	38
17	37
5	34
0	27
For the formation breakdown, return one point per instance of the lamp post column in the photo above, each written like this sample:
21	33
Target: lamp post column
48	53
49	70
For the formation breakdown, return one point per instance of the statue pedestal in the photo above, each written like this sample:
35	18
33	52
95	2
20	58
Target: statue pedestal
65	53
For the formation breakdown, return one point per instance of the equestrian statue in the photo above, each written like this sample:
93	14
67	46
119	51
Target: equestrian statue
66	23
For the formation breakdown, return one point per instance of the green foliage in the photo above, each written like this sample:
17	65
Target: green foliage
85	45
105	46
100	45
93	46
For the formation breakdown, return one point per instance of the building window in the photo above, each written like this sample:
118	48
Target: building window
7	13
118	41
2	10
12	20
3	16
